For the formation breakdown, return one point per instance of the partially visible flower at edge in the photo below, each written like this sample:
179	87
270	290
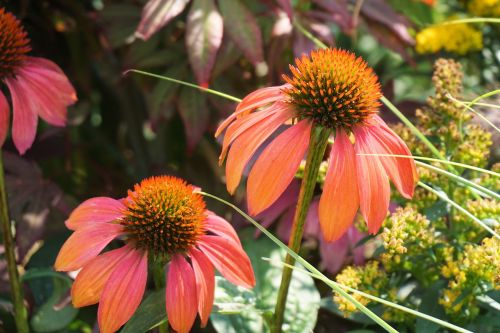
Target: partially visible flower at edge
282	212
335	90
37	86
163	219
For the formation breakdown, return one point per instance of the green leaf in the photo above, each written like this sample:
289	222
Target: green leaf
241	310
52	316
194	113
150	313
430	305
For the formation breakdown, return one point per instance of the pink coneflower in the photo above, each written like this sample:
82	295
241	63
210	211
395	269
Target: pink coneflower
164	219
37	86
335	90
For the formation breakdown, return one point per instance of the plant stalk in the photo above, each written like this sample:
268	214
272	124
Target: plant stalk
20	310
158	269
317	146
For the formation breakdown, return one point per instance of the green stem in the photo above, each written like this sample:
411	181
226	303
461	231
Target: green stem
159	281
370	314
317	146
20	311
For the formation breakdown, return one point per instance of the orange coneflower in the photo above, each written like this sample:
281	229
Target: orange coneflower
332	89
37	86
164	219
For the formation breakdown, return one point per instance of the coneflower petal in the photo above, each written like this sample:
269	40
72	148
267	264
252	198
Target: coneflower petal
247	144
181	295
252	101
25	118
95	210
339	201
204	274
221	227
85	244
229	259
4	118
373	188
90	281
276	167
123	291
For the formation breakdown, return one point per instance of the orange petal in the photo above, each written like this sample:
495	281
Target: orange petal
90	281
252	101
85	244
246	144
221	227
205	283
123	291
340	201
276	167
244	123
181	295
99	209
374	190
229	258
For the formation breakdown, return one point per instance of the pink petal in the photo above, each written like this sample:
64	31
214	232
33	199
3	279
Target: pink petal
156	14
374	190
252	101
90	281
25	118
205	284
276	167
123	291
95	210
85	244
181	295
245	146
4	118
339	202
334	254
229	258
221	227
312	227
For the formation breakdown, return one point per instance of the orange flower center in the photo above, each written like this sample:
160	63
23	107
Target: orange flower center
333	88
164	216
14	44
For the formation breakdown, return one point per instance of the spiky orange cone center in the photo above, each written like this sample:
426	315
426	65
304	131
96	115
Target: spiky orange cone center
164	216
333	89
14	44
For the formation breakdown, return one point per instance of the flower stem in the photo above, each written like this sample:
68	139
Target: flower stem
158	268
317	146
20	311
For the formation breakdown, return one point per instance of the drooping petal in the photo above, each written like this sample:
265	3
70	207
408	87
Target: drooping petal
85	244
252	101
221	227
90	281
229	258
246	122
276	166
402	171
181	295
205	283
123	291
4	118
373	187
247	144
95	210
156	14
340	201
334	254
25	119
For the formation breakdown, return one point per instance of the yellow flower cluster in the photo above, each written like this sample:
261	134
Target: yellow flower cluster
477	263
459	38
487	210
484	8
368	278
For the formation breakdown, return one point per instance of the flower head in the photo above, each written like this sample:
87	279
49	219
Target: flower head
162	218
335	90
37	86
